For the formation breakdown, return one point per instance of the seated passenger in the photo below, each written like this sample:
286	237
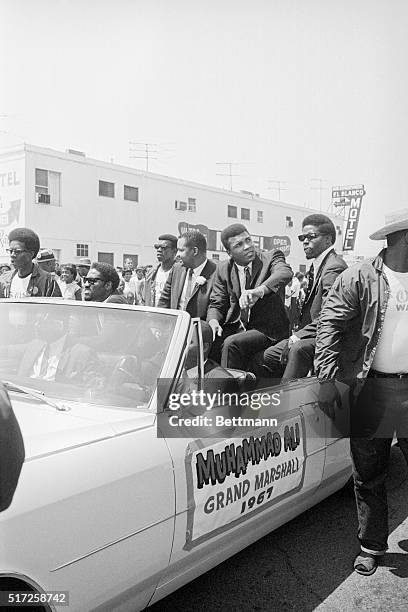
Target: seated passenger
293	358
55	355
246	312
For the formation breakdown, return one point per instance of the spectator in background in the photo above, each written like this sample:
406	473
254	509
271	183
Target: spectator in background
140	286
4	268
129	289
101	284
166	249
69	287
128	265
46	261
27	279
83	266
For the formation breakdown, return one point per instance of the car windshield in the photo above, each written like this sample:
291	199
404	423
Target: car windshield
90	354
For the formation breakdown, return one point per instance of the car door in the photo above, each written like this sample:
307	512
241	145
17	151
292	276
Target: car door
237	480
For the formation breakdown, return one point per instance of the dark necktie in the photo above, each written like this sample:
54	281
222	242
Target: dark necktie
245	311
309	282
189	287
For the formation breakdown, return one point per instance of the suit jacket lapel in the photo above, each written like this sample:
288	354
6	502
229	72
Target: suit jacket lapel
206	272
256	269
318	275
235	279
180	284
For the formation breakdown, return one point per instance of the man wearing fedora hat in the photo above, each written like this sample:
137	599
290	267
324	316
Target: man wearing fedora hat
362	338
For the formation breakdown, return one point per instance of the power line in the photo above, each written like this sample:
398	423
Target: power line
145	149
320	188
278	188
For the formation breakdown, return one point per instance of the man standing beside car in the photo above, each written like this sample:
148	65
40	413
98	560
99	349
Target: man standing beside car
362	340
27	279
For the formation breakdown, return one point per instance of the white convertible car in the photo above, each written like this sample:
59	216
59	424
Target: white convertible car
129	490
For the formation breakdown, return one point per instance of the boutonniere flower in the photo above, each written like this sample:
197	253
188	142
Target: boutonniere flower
201	280
34	291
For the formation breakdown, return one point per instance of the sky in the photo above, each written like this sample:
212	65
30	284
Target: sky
288	90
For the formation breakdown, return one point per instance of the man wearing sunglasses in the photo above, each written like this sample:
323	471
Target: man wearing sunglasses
27	279
101	283
156	278
293	358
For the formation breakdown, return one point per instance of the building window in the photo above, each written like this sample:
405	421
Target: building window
47	187
179	205
130	193
232	211
192	205
106	258
82	250
245	214
106	189
215	256
259	214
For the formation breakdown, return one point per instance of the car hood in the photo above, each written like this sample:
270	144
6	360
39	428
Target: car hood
47	430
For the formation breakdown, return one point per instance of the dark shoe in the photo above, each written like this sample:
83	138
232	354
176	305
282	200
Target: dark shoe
365	563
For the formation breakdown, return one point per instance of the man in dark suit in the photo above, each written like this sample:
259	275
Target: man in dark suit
55	354
189	284
166	249
293	358
246	312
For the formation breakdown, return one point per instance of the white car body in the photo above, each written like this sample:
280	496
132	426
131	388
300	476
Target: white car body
110	512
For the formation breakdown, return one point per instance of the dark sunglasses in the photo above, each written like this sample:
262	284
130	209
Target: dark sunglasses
309	237
159	247
92	281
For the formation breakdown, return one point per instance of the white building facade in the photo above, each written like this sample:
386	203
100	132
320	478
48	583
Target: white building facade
82	207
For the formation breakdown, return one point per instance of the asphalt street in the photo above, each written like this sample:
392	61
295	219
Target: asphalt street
307	564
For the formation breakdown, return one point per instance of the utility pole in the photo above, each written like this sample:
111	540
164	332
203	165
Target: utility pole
320	188
230	174
145	150
277	186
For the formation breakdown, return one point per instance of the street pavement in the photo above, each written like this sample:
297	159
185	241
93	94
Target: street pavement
307	564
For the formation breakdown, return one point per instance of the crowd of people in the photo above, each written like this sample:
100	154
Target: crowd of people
346	324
